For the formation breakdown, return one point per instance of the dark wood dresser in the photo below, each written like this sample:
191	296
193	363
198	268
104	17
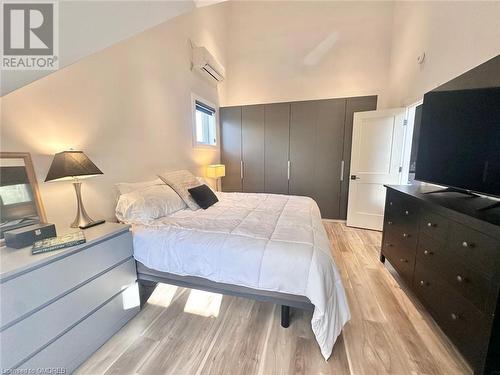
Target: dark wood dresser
448	252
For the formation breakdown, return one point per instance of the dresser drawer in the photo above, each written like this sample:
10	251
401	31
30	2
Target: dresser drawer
434	225
469	283
401	229
429	248
29	335
56	278
402	258
475	248
392	203
466	326
400	233
75	346
401	208
404	265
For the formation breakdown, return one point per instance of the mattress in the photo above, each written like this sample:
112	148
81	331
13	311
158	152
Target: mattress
261	241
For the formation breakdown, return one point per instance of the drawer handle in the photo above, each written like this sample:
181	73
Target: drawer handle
430	225
422	283
407	212
406	235
466	244
389	223
454	316
403	260
427	252
390	203
460	278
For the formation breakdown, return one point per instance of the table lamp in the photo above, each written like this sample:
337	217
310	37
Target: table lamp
74	165
216	171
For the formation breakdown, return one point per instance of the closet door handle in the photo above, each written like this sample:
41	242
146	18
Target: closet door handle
342	170
288	170
241	169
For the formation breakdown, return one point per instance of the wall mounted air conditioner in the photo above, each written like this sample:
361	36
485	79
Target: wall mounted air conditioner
207	64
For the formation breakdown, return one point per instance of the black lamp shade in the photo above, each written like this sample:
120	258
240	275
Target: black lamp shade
68	164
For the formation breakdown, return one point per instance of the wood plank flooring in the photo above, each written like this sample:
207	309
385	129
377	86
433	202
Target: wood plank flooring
389	333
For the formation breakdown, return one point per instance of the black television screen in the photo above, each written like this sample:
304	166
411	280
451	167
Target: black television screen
459	143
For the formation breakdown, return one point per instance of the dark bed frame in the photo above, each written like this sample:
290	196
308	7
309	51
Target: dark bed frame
148	278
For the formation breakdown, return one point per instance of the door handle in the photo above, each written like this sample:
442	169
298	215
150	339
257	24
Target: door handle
288	170
342	170
354	177
241	169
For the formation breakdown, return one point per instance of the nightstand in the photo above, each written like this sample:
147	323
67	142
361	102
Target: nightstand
57	308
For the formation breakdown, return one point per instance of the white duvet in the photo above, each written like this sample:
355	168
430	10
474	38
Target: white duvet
262	241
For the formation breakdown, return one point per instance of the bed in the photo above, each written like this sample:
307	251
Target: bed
263	246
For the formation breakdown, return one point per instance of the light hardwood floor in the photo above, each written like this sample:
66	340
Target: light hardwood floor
389	333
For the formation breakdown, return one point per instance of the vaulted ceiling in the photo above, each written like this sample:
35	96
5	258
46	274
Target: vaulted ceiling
86	27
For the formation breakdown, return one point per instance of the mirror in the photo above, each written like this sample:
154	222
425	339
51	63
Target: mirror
20	201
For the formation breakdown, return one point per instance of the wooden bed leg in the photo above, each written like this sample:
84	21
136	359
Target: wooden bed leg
382	258
285	316
146	288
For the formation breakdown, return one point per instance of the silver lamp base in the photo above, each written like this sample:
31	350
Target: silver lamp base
82	219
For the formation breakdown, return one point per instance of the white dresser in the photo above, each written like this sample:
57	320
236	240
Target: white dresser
57	308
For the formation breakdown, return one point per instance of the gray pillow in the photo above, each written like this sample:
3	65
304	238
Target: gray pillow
181	181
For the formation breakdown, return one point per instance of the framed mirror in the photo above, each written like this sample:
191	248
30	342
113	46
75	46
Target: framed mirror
20	201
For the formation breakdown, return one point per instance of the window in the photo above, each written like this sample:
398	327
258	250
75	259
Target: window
205	123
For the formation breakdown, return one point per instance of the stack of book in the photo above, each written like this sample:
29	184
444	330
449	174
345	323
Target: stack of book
57	243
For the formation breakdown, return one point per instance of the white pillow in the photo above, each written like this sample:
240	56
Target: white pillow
147	204
181	181
128	187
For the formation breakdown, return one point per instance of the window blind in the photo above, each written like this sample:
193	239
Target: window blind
205	108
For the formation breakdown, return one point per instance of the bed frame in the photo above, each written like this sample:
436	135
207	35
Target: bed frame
148	278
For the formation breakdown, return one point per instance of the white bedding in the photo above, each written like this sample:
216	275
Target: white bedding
262	241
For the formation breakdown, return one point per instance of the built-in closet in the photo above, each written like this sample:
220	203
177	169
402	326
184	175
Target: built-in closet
299	148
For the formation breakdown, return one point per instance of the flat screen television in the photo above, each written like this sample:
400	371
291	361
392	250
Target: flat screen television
459	144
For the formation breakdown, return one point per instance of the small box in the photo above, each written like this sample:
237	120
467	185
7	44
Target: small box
26	236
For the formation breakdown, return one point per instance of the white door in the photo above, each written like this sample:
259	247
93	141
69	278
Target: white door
376	158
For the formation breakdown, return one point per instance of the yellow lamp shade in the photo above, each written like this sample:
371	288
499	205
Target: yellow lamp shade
216	170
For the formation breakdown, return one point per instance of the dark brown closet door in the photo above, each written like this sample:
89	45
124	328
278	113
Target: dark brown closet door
252	148
277	126
316	146
328	156
230	120
303	118
356	104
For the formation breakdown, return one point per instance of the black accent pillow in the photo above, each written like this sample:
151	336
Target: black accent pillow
204	196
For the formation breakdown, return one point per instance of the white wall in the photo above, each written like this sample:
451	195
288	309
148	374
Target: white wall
455	36
294	50
86	27
127	107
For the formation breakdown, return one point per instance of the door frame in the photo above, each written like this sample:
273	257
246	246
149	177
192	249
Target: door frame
399	113
408	139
